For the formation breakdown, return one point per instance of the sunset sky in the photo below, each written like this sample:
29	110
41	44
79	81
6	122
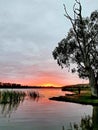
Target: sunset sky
29	32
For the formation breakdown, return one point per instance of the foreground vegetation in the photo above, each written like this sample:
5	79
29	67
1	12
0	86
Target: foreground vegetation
15	96
85	124
10	100
11	96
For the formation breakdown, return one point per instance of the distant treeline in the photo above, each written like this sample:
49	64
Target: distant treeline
19	86
14	85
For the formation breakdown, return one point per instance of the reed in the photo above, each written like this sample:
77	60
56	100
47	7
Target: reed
11	96
10	100
85	124
33	94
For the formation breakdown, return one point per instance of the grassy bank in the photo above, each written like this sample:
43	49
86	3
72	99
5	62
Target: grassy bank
83	98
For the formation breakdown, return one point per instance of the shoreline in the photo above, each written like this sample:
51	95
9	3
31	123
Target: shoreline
84	99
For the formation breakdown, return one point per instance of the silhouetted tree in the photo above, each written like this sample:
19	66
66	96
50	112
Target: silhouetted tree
81	46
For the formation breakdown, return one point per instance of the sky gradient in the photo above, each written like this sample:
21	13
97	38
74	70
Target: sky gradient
29	32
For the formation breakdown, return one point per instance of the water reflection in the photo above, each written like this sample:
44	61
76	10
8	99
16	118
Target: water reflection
87	122
33	96
34	113
8	108
10	100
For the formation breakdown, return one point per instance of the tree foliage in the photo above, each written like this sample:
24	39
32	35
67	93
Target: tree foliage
80	46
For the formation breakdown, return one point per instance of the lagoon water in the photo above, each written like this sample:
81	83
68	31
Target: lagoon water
42	113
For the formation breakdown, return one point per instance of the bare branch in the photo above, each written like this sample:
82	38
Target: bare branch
67	15
77	1
73	10
79	9
73	20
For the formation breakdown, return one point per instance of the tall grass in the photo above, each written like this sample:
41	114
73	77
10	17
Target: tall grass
34	95
85	124
10	100
11	96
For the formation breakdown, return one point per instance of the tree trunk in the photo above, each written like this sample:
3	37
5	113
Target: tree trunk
95	118
93	84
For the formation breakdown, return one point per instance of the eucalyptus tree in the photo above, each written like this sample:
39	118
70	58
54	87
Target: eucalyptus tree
80	46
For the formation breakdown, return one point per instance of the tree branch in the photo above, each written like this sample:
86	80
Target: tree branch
73	20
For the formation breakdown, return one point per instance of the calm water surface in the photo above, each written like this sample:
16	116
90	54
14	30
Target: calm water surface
42	113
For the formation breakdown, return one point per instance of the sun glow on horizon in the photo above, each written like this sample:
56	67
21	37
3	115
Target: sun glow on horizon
49	84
